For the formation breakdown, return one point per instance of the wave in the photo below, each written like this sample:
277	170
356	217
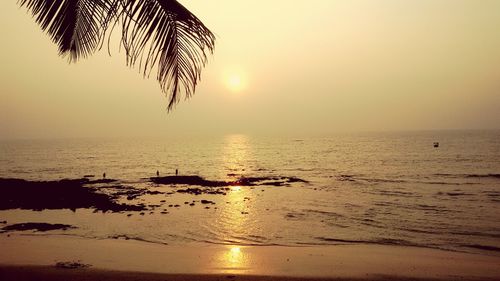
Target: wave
497	176
454	194
381	241
431	179
475	233
395	193
258	241
491	175
483	247
368	180
405	243
324	213
135	238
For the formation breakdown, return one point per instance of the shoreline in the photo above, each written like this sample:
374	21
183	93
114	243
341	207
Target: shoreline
36	256
36	273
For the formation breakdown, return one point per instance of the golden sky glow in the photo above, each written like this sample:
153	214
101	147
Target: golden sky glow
311	67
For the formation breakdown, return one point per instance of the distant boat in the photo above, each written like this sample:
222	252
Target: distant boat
436	144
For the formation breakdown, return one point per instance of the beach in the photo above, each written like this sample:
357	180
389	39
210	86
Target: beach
31	257
327	140
355	207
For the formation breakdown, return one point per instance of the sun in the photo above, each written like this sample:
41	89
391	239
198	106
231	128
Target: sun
235	81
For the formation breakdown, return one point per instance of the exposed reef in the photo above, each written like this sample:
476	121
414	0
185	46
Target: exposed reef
204	186
109	194
244	181
187	180
71	265
63	194
42	227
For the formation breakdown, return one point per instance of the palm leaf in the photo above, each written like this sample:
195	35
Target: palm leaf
157	34
164	35
76	26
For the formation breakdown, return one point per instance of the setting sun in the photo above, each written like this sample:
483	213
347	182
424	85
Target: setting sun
250	140
235	81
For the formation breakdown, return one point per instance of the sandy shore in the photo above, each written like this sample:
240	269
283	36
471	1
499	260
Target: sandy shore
34	257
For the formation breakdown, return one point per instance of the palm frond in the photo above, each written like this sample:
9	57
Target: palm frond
157	34
76	26
163	34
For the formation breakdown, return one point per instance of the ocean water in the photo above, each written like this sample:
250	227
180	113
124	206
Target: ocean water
376	188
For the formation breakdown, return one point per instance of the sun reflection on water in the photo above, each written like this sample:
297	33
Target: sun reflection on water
234	219
235	188
233	260
235	155
234	256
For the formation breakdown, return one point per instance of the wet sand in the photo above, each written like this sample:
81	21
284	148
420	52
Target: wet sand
37	273
34	257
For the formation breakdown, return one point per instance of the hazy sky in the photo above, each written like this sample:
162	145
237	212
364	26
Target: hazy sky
306	67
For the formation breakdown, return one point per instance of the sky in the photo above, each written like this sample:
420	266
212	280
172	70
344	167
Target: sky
280	68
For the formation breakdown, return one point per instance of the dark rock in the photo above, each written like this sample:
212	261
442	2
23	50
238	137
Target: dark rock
195	191
199	191
244	181
63	194
153	192
71	265
102	181
42	227
187	180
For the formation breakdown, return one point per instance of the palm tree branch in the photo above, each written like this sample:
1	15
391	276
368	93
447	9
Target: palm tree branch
159	35
164	35
76	26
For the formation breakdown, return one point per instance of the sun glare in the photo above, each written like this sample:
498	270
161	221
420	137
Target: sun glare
235	81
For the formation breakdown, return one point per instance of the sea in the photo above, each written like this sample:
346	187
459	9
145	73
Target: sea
387	188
